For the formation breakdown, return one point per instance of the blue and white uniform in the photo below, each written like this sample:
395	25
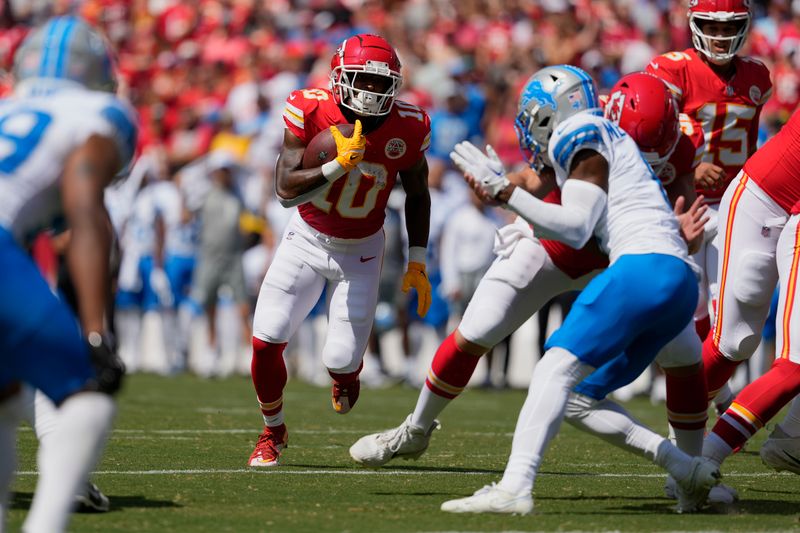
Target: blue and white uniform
648	294
181	240
40	341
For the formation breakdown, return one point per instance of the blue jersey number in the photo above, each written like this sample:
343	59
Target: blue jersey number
21	144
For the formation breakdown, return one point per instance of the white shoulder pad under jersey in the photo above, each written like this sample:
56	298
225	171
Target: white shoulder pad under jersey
37	135
638	218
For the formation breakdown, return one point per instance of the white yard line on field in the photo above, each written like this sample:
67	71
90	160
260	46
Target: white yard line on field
338	472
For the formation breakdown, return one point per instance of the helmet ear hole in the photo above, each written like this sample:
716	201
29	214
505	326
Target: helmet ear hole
545	121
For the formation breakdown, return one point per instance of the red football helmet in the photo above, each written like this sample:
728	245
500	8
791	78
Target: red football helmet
643	106
737	11
365	54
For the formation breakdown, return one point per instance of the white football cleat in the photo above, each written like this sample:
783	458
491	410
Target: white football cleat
406	441
491	499
721	493
781	452
694	489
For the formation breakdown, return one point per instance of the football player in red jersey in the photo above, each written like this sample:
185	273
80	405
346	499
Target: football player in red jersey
335	240
723	94
529	272
760	240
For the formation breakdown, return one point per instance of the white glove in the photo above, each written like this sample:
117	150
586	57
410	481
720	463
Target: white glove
487	170
159	282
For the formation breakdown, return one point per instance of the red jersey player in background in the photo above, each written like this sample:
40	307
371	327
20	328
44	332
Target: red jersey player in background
335	241
760	248
723	94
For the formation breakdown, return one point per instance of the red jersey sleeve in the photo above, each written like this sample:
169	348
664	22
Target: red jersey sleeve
299	105
416	125
671	67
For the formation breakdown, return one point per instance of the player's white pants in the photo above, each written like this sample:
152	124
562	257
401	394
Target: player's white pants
707	258
516	286
684	350
305	263
750	223
787	339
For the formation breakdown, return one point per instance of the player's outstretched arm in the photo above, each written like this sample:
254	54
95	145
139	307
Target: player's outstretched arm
88	171
418	220
583	200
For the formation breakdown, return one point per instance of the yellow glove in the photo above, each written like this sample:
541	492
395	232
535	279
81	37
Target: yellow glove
416	277
350	149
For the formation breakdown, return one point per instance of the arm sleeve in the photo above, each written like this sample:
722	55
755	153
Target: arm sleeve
572	222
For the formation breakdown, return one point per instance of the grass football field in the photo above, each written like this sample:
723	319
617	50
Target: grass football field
176	462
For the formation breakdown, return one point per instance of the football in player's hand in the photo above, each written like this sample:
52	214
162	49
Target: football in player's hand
322	147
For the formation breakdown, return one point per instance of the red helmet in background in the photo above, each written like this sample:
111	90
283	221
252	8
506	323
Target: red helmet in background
365	54
643	106
737	11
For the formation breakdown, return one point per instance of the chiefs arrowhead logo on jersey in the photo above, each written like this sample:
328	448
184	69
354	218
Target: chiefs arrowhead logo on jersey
395	148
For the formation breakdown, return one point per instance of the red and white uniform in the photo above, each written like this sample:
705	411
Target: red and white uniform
354	207
335	241
753	217
727	110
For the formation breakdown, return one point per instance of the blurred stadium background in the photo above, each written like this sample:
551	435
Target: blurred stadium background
209	78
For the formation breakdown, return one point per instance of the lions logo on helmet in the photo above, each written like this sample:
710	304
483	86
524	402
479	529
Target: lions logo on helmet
551	95
68	49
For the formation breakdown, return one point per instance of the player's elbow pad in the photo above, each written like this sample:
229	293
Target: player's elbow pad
572	222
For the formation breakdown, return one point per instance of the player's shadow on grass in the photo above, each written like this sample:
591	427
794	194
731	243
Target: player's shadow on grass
409	468
22	500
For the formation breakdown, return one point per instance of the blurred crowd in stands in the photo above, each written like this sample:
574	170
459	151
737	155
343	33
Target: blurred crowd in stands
209	78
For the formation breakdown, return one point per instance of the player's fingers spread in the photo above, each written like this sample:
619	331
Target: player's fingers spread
492	153
462	150
473	151
678	207
458	161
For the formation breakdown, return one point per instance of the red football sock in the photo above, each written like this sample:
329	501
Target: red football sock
703	326
718	368
348	377
687	401
268	371
451	369
758	403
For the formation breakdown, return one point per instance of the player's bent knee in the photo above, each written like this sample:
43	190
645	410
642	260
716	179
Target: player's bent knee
741	347
340	358
578	406
272	327
483	326
751	285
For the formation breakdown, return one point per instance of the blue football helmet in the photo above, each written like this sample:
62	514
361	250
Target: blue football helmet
66	48
551	95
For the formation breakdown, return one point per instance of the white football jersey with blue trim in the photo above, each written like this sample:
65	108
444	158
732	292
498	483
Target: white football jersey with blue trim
37	135
638	218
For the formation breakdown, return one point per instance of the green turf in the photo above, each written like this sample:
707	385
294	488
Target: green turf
184	423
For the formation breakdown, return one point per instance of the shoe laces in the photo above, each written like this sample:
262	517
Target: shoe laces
269	440
394	438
